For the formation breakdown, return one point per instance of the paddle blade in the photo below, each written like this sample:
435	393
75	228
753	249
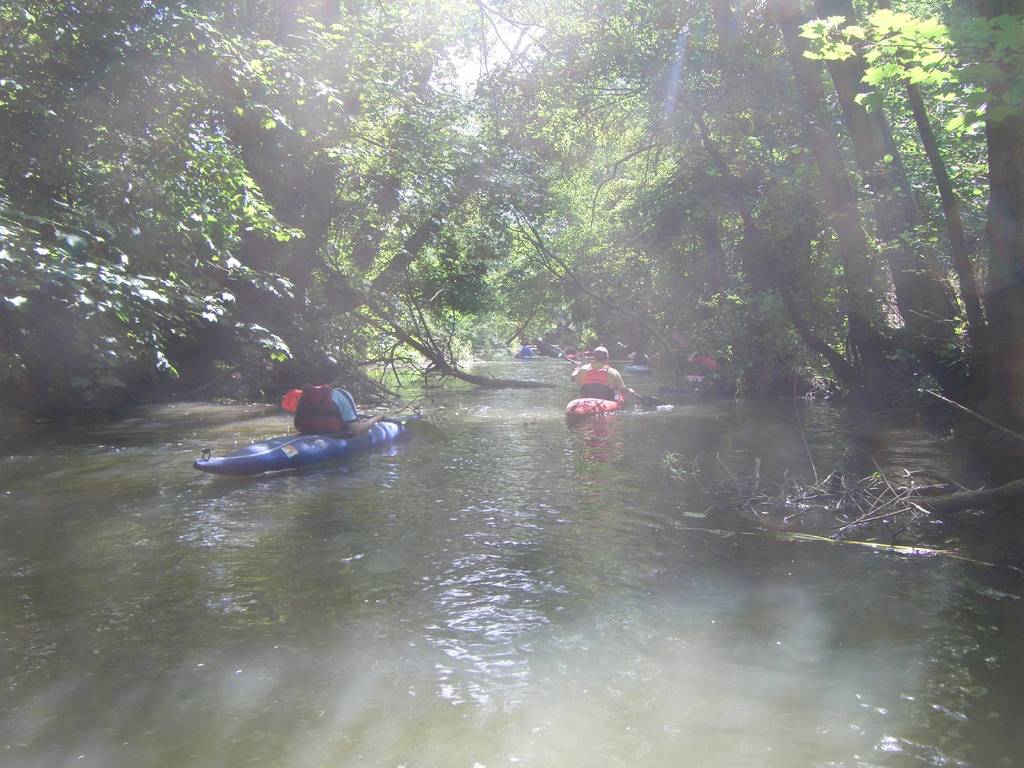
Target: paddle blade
290	401
423	428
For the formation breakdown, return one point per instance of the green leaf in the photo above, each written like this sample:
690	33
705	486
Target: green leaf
843	51
871	100
917	75
957	124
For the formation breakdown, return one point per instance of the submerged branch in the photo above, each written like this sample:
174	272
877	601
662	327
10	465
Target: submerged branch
900	549
898	502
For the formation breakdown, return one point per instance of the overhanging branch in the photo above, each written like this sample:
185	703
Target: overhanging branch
557	267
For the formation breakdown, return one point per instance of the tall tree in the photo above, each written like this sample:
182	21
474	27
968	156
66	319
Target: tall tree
924	297
1004	292
960	252
863	308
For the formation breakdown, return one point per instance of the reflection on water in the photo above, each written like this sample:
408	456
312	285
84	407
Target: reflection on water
598	440
523	594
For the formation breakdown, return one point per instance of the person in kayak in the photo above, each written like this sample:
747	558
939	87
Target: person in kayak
548	350
326	410
598	379
525	352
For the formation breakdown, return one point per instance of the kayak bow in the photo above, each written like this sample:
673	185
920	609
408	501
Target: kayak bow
584	407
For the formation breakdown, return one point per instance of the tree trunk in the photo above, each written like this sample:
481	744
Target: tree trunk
367	238
845	372
1004	293
763	264
300	184
862	308
474	177
726	24
714	255
969	292
922	295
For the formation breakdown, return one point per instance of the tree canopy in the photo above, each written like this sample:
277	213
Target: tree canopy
806	190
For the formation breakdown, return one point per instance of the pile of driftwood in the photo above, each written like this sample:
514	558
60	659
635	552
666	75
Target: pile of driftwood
895	500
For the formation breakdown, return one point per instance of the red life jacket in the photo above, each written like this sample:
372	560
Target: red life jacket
595	383
600	376
316	413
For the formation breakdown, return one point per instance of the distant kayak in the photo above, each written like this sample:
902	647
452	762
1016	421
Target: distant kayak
637	368
585	407
294	451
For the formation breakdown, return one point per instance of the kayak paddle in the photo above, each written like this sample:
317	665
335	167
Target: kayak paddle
422	427
649	400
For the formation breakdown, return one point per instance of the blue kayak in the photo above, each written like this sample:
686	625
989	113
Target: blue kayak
293	451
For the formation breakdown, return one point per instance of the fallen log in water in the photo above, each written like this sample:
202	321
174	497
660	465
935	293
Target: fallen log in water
487	382
980	499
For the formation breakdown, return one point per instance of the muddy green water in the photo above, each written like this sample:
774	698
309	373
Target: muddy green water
523	595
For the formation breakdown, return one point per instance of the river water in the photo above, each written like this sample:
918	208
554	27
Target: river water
520	595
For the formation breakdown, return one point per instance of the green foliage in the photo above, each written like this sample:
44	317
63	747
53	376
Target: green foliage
190	188
78	319
976	64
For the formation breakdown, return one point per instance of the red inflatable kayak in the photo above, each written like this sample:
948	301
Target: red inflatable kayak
583	407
